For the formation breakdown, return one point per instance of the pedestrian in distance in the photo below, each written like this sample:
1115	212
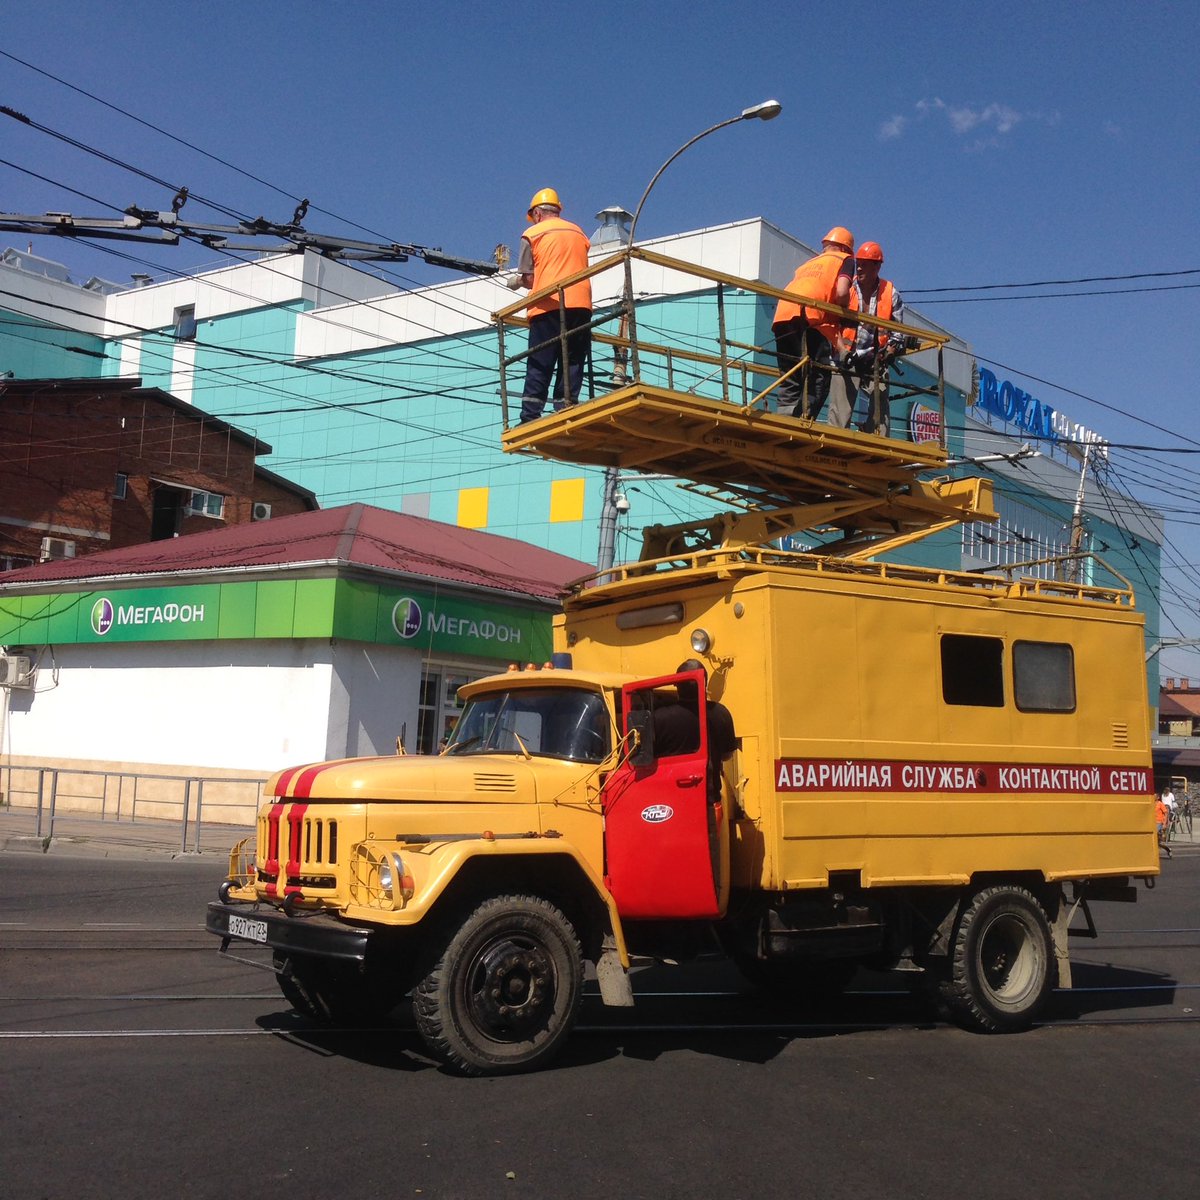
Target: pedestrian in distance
870	350
804	332
1162	815
553	249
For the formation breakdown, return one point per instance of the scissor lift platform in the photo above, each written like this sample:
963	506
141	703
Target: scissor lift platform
769	459
790	474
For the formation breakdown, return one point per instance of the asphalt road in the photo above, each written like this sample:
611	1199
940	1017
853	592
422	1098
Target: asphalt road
136	1062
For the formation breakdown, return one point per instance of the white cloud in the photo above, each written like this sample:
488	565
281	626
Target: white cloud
999	116
893	127
987	123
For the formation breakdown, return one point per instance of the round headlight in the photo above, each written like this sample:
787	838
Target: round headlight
385	877
701	641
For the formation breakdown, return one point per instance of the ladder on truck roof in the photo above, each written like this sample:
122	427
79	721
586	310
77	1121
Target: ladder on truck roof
699	414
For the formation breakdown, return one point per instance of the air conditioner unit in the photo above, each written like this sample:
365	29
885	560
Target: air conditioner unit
260	512
16	671
57	548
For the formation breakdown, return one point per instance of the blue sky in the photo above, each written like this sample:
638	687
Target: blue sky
978	143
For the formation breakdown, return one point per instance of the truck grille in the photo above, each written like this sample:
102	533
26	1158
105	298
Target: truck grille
1120	735
297	846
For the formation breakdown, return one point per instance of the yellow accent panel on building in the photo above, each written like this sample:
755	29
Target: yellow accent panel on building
566	500
473	508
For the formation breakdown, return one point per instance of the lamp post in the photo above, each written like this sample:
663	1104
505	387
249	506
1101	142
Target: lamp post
766	111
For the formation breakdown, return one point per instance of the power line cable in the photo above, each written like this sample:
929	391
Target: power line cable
987	287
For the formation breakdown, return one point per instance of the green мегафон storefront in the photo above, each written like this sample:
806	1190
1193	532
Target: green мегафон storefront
302	608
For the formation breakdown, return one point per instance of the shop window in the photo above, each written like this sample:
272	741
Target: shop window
439	705
1044	677
973	670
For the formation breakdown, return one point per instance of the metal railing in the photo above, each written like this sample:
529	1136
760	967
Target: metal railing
119	795
713	364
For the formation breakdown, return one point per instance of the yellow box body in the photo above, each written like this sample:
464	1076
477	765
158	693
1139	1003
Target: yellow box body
832	673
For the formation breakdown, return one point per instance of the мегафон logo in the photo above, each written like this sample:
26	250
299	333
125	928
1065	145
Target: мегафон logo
406	617
102	616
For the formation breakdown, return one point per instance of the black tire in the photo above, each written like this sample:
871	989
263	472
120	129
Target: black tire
504	994
1002	966
333	993
804	981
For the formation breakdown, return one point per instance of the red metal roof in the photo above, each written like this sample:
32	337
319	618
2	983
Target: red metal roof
1176	704
352	535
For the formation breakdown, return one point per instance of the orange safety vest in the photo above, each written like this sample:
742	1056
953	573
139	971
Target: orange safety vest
559	249
816	279
884	299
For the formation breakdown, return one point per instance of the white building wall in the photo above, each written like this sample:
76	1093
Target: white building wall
252	706
183	370
53	301
372	699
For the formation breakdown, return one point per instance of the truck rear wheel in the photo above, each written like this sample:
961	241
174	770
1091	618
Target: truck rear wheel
505	992
1001	965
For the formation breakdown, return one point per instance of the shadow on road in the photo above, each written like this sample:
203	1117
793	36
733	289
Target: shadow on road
740	1025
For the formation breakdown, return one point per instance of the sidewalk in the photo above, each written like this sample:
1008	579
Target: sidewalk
79	835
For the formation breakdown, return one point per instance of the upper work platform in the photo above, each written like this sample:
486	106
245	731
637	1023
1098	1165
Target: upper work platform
699	406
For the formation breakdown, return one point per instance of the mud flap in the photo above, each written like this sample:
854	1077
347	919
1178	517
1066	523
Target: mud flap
1060	920
616	988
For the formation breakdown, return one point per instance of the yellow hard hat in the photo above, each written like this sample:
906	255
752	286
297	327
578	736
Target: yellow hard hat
841	236
545	196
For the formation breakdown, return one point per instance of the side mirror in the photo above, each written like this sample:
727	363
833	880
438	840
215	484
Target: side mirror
641	729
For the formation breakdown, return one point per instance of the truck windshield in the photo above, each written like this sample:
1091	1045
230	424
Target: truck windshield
552	722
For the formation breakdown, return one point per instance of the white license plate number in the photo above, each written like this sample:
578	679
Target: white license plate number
243	927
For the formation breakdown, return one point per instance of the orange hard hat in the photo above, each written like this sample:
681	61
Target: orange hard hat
871	251
545	196
840	236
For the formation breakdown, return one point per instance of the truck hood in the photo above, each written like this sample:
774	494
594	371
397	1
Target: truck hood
423	778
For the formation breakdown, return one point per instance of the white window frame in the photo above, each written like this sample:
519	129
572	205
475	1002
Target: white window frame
206	504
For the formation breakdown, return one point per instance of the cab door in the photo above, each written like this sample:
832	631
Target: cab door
662	832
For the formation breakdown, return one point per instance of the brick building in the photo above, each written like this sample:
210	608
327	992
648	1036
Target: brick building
1177	746
96	464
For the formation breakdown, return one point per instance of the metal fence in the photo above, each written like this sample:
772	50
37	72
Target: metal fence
108	797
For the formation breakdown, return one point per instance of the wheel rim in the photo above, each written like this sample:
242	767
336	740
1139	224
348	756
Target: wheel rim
510	988
1008	959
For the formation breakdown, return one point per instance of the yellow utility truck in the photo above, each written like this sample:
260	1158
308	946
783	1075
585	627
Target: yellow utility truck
928	771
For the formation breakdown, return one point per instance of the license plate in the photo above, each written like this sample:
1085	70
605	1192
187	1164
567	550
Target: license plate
243	927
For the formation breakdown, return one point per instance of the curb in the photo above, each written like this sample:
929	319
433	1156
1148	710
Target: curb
81	847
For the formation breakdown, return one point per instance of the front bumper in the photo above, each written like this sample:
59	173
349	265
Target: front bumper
317	934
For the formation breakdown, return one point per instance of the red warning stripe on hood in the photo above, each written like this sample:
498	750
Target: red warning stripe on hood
297	782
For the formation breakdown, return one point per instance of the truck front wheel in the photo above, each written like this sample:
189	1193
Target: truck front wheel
1001	964
505	992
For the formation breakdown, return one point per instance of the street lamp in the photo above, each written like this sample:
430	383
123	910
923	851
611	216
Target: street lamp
766	111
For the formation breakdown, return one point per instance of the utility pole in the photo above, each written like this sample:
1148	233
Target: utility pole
1074	569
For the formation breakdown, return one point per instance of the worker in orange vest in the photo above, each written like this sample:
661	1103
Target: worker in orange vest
803	331
1162	816
870	347
551	250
